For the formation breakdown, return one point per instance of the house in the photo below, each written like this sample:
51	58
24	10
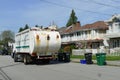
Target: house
113	33
89	36
69	34
92	33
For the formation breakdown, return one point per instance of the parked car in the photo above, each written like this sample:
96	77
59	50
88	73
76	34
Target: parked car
1	52
4	52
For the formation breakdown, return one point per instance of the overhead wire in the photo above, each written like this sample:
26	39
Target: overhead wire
108	5
116	1
61	5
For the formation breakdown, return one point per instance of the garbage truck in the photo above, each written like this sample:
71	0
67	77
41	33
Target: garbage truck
36	44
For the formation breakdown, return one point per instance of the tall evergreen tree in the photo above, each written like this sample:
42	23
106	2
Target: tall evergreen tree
72	19
21	29
26	27
36	26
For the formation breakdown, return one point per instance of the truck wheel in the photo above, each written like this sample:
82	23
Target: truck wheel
34	60
25	60
15	58
47	61
12	55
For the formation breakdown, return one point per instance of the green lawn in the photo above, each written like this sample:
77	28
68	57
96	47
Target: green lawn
109	58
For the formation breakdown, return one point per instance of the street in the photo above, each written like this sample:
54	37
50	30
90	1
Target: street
10	70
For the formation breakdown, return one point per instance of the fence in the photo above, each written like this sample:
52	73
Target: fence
110	52
114	52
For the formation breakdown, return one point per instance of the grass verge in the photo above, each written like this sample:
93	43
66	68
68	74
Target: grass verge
108	58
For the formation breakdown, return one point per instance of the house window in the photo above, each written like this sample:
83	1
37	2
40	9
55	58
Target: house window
118	43
95	45
116	24
75	34
93	32
115	43
61	36
78	33
71	35
119	25
111	27
85	34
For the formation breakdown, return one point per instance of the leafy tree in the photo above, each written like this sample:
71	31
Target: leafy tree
7	36
72	19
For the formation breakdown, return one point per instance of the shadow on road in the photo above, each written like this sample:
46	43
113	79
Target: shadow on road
53	62
10	65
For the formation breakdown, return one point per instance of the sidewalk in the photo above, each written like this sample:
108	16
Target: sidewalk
109	63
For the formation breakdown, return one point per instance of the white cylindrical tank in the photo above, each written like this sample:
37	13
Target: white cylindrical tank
45	42
40	42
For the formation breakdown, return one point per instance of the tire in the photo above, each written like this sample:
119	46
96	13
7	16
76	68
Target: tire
46	61
15	58
34	60
25	60
12	55
105	63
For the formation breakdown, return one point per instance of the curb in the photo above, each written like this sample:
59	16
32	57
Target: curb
109	63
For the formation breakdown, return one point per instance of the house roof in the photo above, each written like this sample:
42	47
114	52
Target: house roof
72	28
77	27
96	25
61	30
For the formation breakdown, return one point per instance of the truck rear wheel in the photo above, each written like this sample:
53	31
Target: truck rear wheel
25	59
46	61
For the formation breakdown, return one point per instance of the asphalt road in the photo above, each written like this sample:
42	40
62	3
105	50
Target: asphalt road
55	71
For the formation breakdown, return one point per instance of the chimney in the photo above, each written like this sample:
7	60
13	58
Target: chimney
78	24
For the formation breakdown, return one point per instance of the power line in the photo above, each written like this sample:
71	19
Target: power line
108	5
99	3
65	6
115	1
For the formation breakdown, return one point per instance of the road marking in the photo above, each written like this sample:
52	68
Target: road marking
4	75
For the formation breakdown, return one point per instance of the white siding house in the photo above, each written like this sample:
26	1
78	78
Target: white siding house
89	36
99	35
113	33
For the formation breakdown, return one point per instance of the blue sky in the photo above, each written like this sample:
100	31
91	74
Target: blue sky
16	13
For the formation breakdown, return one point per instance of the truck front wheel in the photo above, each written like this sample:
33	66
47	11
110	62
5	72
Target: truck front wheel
15	58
